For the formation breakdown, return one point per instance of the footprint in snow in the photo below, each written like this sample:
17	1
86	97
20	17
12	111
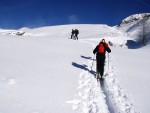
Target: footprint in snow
11	81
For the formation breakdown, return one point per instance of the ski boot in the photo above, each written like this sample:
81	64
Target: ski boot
98	77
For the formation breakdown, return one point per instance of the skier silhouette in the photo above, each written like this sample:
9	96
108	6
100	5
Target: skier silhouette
76	34
72	34
100	51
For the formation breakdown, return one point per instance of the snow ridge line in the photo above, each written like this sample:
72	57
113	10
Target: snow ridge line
117	98
89	98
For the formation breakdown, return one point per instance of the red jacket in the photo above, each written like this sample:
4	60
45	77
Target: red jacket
101	49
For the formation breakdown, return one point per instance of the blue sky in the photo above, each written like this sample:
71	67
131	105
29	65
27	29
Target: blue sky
15	14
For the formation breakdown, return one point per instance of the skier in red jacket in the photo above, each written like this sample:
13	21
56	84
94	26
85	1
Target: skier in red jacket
100	51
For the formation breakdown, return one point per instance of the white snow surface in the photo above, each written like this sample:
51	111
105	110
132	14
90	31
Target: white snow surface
133	27
46	72
134	17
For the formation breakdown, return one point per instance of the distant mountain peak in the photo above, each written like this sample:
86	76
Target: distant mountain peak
133	18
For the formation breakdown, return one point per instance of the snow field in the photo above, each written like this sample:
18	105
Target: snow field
89	97
36	74
117	99
114	97
45	72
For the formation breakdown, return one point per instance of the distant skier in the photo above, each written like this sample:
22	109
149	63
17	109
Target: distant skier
72	34
76	34
100	50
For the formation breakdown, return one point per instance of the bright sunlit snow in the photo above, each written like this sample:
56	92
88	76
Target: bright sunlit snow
42	70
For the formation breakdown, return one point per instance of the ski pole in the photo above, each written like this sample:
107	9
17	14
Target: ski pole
92	62
108	63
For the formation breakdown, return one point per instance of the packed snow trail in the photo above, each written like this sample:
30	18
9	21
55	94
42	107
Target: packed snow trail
89	98
116	98
100	97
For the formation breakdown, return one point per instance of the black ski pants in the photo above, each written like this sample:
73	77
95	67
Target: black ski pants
100	66
72	35
76	35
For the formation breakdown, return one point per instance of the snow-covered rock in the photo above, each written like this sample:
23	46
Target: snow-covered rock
15	32
133	18
137	27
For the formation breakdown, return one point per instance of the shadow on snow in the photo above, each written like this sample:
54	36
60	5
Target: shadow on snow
88	58
84	67
132	44
85	57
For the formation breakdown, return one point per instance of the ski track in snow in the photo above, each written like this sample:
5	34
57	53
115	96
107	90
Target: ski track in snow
116	98
100	97
89	98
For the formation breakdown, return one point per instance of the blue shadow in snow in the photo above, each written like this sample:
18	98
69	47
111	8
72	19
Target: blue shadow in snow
85	57
83	67
88	58
132	44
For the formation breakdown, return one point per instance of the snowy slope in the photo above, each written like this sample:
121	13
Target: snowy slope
135	26
134	18
133	73
48	72
133	63
37	73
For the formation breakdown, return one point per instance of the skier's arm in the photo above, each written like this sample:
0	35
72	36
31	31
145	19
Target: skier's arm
95	50
107	48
